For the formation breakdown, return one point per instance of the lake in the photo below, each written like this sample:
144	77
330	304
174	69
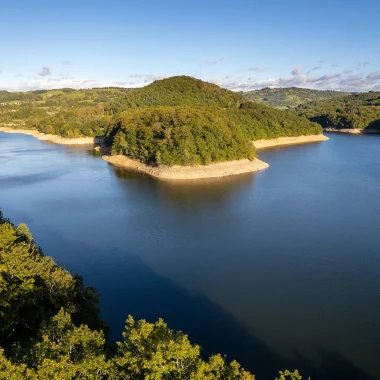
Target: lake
277	269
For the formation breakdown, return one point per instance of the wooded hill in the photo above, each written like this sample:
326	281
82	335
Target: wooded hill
178	120
290	97
361	110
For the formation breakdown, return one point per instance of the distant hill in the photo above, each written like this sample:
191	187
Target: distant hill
361	110
65	97
179	120
285	98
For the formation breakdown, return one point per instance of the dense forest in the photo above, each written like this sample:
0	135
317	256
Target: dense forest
181	135
361	110
50	328
290	97
185	121
178	120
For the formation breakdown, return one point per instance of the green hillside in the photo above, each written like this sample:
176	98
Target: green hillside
185	121
178	91
66	97
291	97
178	120
360	110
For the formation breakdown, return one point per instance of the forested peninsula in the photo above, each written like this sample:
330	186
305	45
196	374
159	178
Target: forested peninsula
354	113
179	122
50	328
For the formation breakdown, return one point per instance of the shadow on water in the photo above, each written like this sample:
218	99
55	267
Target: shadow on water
201	191
129	286
145	294
330	366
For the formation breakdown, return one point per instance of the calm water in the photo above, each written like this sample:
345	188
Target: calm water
276	269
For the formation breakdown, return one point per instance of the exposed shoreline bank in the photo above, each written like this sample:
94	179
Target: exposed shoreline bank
215	170
54	138
262	144
354	131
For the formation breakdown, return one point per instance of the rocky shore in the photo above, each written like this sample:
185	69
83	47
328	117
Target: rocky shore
261	144
215	170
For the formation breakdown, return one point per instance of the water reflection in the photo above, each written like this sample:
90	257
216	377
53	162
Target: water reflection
190	193
277	269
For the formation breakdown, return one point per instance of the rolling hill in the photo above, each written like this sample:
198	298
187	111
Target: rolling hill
285	98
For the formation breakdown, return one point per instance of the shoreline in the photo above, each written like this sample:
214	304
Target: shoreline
214	170
176	172
353	131
281	141
54	138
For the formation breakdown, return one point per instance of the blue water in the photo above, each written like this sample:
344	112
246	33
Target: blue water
277	269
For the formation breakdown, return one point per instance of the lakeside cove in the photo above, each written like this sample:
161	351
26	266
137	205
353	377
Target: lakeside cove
55	138
177	172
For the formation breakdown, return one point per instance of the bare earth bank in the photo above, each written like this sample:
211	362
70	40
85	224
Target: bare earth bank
354	131
54	138
220	169
261	144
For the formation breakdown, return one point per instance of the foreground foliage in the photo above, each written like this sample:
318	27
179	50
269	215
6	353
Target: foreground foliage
50	328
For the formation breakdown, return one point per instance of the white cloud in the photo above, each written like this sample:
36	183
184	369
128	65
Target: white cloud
150	78
361	65
297	70
136	76
314	69
344	81
45	71
45	83
66	63
373	76
259	68
214	61
52	83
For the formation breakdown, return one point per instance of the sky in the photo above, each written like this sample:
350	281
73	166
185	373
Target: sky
237	44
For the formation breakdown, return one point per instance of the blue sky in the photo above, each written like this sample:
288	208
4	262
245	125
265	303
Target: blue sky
238	44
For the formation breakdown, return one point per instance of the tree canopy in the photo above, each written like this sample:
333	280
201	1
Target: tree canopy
181	135
360	110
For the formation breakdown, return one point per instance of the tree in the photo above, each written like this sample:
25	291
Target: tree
153	351
65	351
